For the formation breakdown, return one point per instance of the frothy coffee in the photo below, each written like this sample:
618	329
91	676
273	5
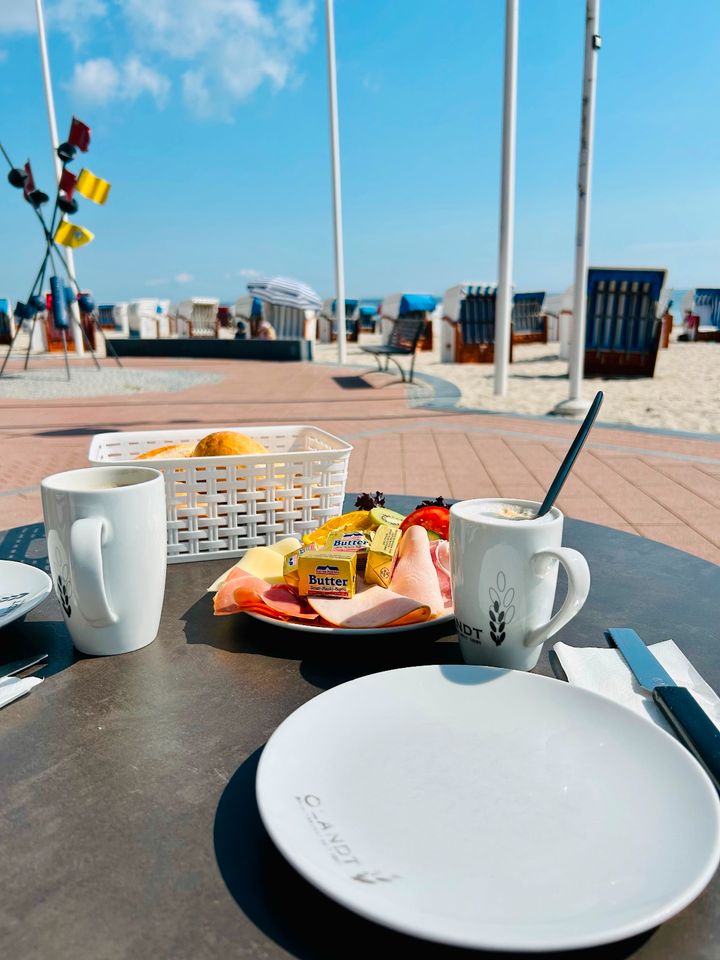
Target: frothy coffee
512	511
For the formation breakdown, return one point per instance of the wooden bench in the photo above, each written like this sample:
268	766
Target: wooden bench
402	342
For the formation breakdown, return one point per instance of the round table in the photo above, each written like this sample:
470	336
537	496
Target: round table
128	818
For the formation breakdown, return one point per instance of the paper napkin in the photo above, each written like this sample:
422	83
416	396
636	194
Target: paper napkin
13	687
604	670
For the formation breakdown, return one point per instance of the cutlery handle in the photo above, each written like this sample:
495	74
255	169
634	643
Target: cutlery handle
693	726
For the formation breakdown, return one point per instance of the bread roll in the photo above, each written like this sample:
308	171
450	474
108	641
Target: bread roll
227	443
171	452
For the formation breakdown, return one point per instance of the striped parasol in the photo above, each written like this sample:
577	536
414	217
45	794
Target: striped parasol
284	292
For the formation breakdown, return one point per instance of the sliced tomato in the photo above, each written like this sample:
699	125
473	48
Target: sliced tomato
436	519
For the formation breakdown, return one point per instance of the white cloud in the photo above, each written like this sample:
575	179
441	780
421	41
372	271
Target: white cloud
139	79
74	17
225	49
248	272
100	81
183	277
157	282
71	16
95	81
231	47
17	16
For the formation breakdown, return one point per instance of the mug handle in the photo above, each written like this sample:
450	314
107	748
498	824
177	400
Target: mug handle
578	574
86	539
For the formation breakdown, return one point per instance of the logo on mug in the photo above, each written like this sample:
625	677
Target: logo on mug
472	633
501	610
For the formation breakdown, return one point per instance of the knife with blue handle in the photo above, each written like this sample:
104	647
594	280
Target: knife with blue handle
688	719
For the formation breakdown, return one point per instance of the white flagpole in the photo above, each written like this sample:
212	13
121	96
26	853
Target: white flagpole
503	303
337	192
54	142
575	405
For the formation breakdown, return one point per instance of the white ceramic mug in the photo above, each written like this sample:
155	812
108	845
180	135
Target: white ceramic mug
504	575
106	540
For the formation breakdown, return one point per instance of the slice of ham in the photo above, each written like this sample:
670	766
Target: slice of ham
414	574
241	591
373	607
440	553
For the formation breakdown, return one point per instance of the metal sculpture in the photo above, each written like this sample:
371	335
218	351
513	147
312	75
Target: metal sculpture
60	232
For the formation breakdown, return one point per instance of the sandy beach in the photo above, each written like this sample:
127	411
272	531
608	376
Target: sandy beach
683	394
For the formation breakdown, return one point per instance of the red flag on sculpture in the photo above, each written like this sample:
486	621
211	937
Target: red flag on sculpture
29	184
79	135
67	182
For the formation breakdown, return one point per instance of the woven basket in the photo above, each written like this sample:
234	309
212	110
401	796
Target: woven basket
221	506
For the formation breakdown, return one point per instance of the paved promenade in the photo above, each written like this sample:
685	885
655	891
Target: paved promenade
661	486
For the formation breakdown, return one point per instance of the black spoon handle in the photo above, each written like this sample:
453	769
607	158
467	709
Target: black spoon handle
570	457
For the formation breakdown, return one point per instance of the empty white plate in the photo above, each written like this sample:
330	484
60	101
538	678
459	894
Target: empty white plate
22	587
489	808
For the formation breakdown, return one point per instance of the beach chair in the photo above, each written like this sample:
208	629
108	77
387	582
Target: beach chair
327	322
367	317
704	303
291	323
529	323
622	333
409	306
469	324
7	327
198	317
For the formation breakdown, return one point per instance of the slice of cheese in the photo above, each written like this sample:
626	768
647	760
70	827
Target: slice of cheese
286	546
262	562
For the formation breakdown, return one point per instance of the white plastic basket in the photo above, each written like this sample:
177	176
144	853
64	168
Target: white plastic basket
222	506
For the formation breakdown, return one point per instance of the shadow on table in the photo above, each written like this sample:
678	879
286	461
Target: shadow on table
25	545
303	921
325	661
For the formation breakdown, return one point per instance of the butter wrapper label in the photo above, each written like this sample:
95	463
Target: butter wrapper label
291	565
325	573
381	555
348	543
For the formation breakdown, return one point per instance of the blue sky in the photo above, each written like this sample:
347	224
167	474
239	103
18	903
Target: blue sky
210	118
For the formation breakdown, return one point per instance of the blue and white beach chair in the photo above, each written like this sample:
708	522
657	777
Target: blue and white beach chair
622	328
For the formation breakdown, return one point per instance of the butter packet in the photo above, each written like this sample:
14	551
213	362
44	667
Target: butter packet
326	574
381	555
291	565
348	543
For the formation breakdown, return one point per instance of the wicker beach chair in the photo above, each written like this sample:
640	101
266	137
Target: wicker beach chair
622	329
469	324
327	321
529	323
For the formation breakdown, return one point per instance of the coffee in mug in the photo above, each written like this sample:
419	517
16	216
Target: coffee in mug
106	542
504	565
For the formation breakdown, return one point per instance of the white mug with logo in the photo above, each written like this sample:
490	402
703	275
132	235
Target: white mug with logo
504	574
106	540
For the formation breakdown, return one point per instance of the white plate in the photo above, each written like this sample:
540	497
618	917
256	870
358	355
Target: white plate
16	578
309	627
489	809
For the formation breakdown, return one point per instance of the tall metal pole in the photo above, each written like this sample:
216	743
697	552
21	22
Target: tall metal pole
503	303
337	192
76	330
575	405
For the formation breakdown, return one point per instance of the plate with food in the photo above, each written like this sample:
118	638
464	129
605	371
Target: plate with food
369	570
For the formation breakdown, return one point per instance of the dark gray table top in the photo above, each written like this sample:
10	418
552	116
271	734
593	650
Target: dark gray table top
128	823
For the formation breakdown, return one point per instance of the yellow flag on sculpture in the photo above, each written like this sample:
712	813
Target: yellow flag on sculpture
71	235
92	187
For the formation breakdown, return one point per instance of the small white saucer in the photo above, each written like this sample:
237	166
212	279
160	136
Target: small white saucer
17	579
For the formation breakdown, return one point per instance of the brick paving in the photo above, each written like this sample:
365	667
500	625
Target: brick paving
661	486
